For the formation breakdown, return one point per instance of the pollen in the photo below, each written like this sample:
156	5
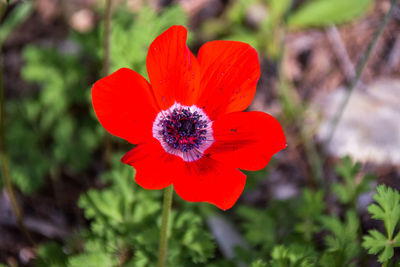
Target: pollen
184	131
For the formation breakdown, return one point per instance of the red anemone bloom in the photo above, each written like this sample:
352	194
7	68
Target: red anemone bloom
188	122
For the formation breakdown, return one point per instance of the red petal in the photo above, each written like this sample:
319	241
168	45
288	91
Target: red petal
154	167
229	74
209	181
246	140
124	105
172	68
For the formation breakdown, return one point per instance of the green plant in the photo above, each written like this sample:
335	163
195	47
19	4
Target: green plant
258	227
342	242
57	122
51	254
352	185
131	37
258	263
319	13
293	255
124	228
310	210
387	209
273	15
13	20
47	122
308	233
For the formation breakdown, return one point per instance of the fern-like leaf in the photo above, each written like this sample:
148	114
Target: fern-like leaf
387	209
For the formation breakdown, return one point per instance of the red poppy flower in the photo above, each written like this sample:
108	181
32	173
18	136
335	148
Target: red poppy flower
188	122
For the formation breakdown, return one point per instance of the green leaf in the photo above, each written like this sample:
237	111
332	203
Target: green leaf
279	7
17	16
351	187
396	240
311	204
126	217
376	243
258	225
59	113
141	259
192	241
259	263
130	39
387	209
319	13
342	242
309	211
51	255
95	259
294	255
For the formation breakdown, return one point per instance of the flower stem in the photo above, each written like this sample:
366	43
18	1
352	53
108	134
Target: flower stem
166	211
360	68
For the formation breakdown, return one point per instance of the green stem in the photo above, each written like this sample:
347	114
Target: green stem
360	68
166	211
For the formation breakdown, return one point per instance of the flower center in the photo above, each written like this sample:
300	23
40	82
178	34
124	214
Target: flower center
184	131
188	127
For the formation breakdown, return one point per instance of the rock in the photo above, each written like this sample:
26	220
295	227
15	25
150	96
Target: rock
369	130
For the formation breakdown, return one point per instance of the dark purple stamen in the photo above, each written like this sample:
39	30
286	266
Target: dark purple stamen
183	129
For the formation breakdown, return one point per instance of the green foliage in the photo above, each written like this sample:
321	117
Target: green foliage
265	229
259	263
269	18
130	41
95	256
290	233
13	20
258	226
309	212
232	26
53	128
57	123
326	12
278	8
124	219
50	255
342	242
125	222
294	255
351	188
29	164
191	241
387	210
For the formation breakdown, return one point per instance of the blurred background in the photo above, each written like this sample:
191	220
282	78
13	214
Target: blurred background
329	74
